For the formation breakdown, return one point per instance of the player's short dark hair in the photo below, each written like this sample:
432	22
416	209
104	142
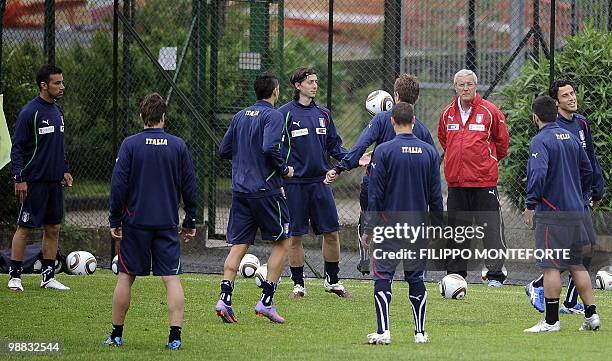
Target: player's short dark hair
44	74
152	107
264	85
402	113
407	88
545	108
298	76
554	87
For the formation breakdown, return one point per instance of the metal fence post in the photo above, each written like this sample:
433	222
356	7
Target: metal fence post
49	31
553	29
330	52
470	56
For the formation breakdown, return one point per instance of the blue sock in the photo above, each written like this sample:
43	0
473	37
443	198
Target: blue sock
417	294
267	293
382	303
331	272
227	287
571	298
539	282
48	269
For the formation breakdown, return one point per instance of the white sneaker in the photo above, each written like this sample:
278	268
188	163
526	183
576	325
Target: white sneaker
54	284
379	339
542	326
590	324
298	291
337	288
421	338
14	284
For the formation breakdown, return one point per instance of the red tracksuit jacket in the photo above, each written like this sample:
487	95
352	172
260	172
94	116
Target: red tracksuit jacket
472	151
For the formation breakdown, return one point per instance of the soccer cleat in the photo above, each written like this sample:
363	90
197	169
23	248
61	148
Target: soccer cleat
14	284
174	345
225	312
364	267
421	338
536	296
590	324
53	284
337	289
298	291
577	309
117	342
379	338
542	326
268	312
494	284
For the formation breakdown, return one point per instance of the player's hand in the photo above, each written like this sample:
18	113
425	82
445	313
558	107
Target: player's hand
365	159
21	191
68	180
594	203
290	172
188	234
116	233
528	217
330	177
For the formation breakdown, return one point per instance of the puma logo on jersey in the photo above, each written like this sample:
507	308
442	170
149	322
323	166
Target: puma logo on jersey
452	118
297	123
535	155
45	122
251	113
156	141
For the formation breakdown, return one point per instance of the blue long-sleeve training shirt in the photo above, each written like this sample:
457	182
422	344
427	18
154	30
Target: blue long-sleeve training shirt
253	143
309	138
559	173
579	127
152	172
405	177
380	130
38	153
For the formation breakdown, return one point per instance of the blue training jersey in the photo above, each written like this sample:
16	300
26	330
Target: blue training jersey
579	127
152	173
38	153
559	173
253	142
405	177
309	138
380	130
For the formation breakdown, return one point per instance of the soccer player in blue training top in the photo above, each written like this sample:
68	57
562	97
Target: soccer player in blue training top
567	118
152	173
310	138
253	142
39	169
559	180
380	130
404	185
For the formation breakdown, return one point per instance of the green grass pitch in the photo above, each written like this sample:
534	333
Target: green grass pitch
487	325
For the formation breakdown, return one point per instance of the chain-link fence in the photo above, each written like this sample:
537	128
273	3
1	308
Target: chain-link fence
202	56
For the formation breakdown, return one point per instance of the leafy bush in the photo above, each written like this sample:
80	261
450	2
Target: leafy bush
586	60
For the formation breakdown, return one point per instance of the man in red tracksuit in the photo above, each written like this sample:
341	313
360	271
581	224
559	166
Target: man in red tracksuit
473	135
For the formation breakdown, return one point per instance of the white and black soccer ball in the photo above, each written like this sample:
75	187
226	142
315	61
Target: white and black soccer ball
114	265
453	286
248	265
603	280
378	101
261	274
485	270
81	263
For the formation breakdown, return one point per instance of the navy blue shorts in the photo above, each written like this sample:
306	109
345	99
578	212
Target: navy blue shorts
556	237
44	204
269	213
384	259
314	204
143	250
